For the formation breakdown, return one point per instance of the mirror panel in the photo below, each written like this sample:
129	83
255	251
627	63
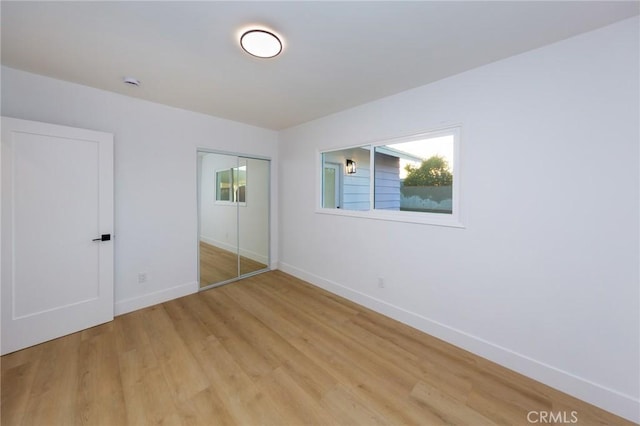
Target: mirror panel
253	217
233	214
218	216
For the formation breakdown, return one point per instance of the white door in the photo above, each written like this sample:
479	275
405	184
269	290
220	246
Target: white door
331	186
57	197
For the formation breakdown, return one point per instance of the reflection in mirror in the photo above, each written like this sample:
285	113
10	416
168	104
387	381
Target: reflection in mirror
233	194
218	219
253	219
346	186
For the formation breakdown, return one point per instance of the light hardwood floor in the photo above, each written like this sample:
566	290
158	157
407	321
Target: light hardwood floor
217	265
273	350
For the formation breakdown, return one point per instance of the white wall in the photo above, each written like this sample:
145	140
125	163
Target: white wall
543	282
155	175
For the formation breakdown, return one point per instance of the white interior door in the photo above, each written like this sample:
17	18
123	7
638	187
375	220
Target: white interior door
57	197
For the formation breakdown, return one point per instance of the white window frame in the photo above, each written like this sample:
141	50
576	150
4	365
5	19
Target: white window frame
437	219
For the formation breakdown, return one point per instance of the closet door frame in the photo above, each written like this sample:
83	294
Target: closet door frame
238	156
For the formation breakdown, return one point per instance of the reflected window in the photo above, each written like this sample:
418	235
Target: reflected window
231	185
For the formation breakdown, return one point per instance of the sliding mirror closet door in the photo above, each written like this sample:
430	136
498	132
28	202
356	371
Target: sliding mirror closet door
218	215
233	194
253	217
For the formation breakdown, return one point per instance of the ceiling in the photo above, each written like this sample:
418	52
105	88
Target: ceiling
336	54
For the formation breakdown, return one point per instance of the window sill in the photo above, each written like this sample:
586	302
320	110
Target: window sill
230	203
434	219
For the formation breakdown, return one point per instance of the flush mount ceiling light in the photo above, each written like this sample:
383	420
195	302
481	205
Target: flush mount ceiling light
261	43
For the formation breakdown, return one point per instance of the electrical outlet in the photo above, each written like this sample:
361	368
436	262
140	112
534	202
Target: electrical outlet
142	277
380	282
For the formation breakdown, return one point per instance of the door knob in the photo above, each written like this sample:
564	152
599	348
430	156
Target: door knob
104	237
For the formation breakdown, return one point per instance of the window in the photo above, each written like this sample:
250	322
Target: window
342	190
412	179
231	185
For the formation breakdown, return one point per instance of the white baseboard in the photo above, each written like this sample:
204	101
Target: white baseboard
216	243
228	247
150	299
608	399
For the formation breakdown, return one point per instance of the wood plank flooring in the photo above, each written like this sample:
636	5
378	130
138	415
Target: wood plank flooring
267	350
217	265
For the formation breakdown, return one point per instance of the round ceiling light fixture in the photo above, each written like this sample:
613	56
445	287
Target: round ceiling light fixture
261	43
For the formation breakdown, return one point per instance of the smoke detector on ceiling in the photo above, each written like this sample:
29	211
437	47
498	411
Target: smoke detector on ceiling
132	81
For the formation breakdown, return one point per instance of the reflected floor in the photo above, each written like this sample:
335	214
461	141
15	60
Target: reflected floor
217	265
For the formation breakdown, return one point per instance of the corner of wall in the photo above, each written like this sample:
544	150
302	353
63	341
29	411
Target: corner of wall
149	299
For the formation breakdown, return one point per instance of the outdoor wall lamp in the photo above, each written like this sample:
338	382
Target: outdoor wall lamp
350	167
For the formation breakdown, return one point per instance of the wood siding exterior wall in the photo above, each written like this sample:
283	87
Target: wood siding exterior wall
387	184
